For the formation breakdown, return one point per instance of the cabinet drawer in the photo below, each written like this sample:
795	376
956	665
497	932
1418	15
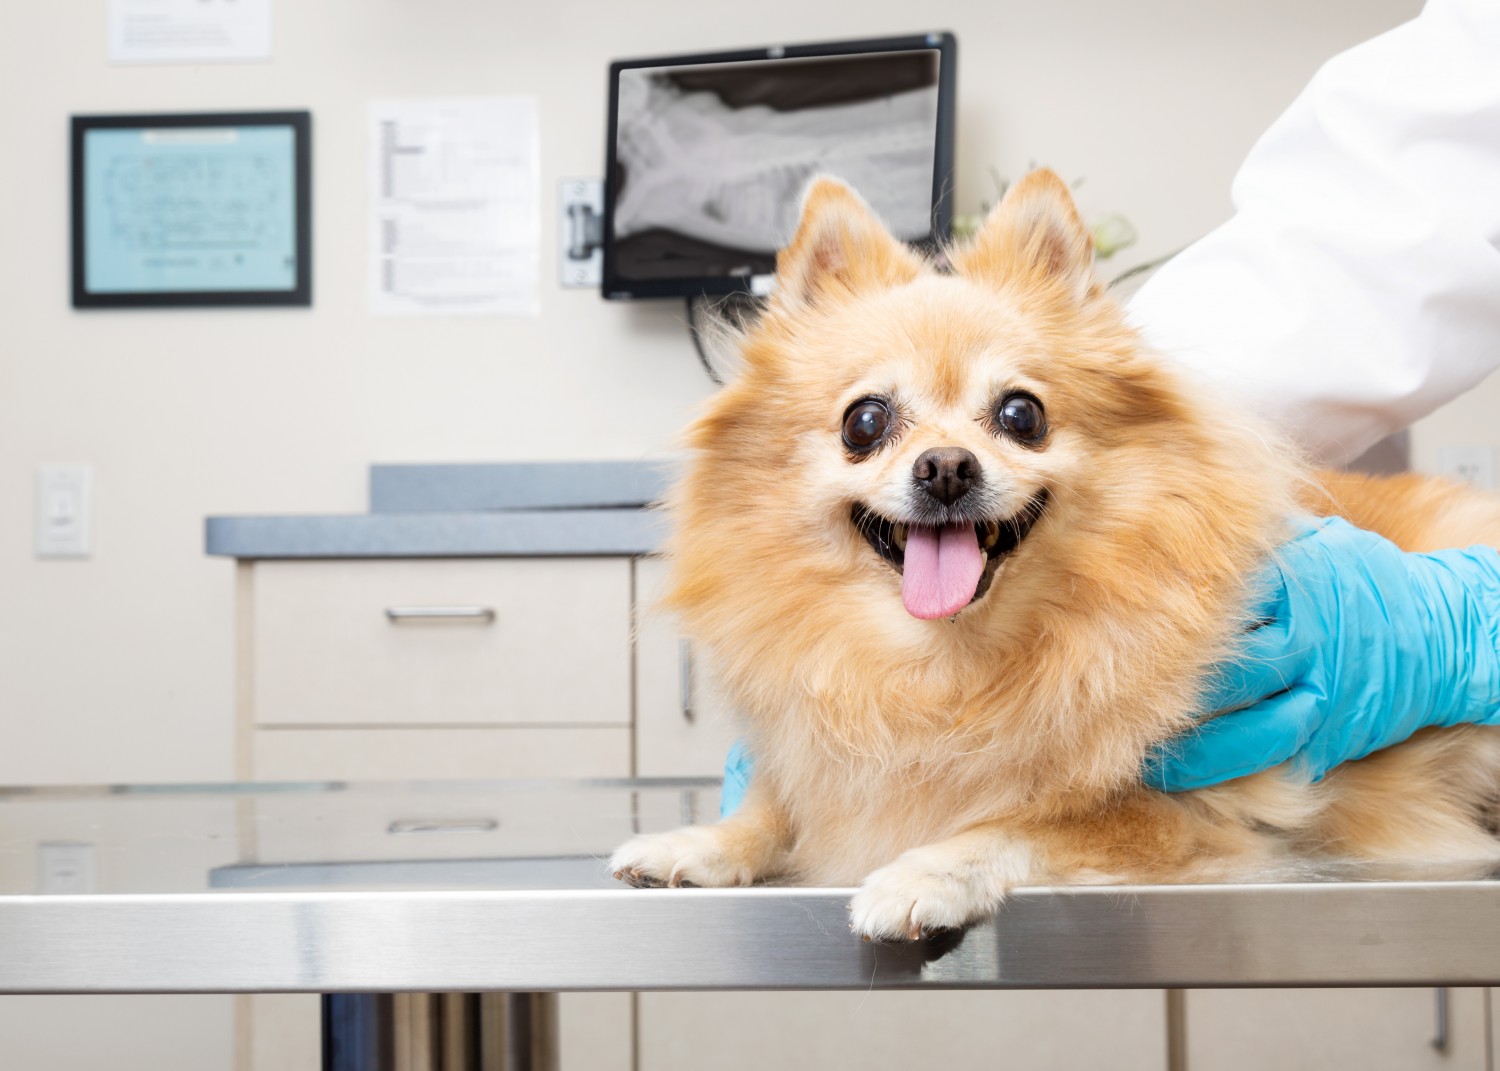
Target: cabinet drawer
298	754
497	641
684	724
455	821
1042	1031
1311	1029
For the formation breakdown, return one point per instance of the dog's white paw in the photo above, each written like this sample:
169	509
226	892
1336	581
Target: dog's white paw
693	855
935	888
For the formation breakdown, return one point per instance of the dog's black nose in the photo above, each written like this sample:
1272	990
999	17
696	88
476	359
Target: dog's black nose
947	473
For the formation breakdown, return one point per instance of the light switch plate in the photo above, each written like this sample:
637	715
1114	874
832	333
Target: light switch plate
65	868
1474	464
64	511
580	255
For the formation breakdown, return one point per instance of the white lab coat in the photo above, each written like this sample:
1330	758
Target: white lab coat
1357	287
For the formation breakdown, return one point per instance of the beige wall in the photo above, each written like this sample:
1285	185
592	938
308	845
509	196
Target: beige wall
118	668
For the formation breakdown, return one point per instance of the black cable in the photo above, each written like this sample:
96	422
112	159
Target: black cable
692	319
737	311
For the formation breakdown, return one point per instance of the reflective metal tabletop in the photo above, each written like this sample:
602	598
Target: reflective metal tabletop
501	886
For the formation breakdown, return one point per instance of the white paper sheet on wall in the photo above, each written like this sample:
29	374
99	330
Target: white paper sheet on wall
455	221
189	31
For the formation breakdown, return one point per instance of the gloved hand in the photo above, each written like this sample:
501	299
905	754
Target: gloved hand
737	767
1364	644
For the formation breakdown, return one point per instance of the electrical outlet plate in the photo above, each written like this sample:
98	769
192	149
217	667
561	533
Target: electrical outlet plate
64	511
1473	464
65	868
580	209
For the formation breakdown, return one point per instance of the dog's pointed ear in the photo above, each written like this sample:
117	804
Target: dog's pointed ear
1033	237
840	248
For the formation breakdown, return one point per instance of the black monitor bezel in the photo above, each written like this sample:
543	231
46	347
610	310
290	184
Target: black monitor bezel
300	123
946	44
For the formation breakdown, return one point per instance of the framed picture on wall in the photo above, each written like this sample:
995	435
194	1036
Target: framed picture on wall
195	210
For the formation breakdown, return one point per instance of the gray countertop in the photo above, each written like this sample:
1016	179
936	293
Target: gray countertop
528	533
522	509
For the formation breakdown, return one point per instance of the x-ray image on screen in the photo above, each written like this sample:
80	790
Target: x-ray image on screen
711	160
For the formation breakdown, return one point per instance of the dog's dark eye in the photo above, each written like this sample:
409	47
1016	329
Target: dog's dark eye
865	424
1021	417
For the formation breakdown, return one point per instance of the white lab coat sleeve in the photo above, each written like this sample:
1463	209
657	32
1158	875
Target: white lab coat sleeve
1357	286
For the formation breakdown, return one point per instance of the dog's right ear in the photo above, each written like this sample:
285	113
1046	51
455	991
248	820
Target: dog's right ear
840	249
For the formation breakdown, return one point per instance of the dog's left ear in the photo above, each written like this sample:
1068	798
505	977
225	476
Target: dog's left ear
840	249
1033	237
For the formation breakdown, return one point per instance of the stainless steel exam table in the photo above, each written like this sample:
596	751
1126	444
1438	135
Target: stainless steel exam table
495	895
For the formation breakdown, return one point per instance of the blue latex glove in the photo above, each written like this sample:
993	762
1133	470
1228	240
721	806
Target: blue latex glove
1364	645
737	767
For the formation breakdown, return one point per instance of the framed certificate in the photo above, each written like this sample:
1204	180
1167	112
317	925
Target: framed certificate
192	209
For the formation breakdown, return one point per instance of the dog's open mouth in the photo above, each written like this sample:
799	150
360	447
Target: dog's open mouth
945	568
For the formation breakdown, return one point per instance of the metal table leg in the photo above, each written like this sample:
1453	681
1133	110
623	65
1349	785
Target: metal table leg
357	1032
440	1032
518	1032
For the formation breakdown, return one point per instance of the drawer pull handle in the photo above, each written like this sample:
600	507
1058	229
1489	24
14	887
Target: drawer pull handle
480	614
1440	1033
685	680
411	826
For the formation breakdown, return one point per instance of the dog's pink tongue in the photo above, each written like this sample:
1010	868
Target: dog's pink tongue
941	571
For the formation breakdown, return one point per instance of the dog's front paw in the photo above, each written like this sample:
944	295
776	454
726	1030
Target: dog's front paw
693	855
935	888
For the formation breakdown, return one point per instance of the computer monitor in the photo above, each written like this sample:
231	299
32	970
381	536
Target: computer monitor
708	155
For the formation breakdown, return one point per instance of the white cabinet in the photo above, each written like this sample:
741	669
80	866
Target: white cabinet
442	642
278	1032
431	669
400	752
469	668
82	1032
434	668
1042	1031
1492	1016
1316	1029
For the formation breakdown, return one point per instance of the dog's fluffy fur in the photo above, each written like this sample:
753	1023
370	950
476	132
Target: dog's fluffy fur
937	763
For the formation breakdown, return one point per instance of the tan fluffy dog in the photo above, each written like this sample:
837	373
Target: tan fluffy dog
964	554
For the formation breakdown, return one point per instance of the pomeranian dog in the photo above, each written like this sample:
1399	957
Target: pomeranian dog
964	553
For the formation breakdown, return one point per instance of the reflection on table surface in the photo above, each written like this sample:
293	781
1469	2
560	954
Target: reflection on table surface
470	886
397	835
332	835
